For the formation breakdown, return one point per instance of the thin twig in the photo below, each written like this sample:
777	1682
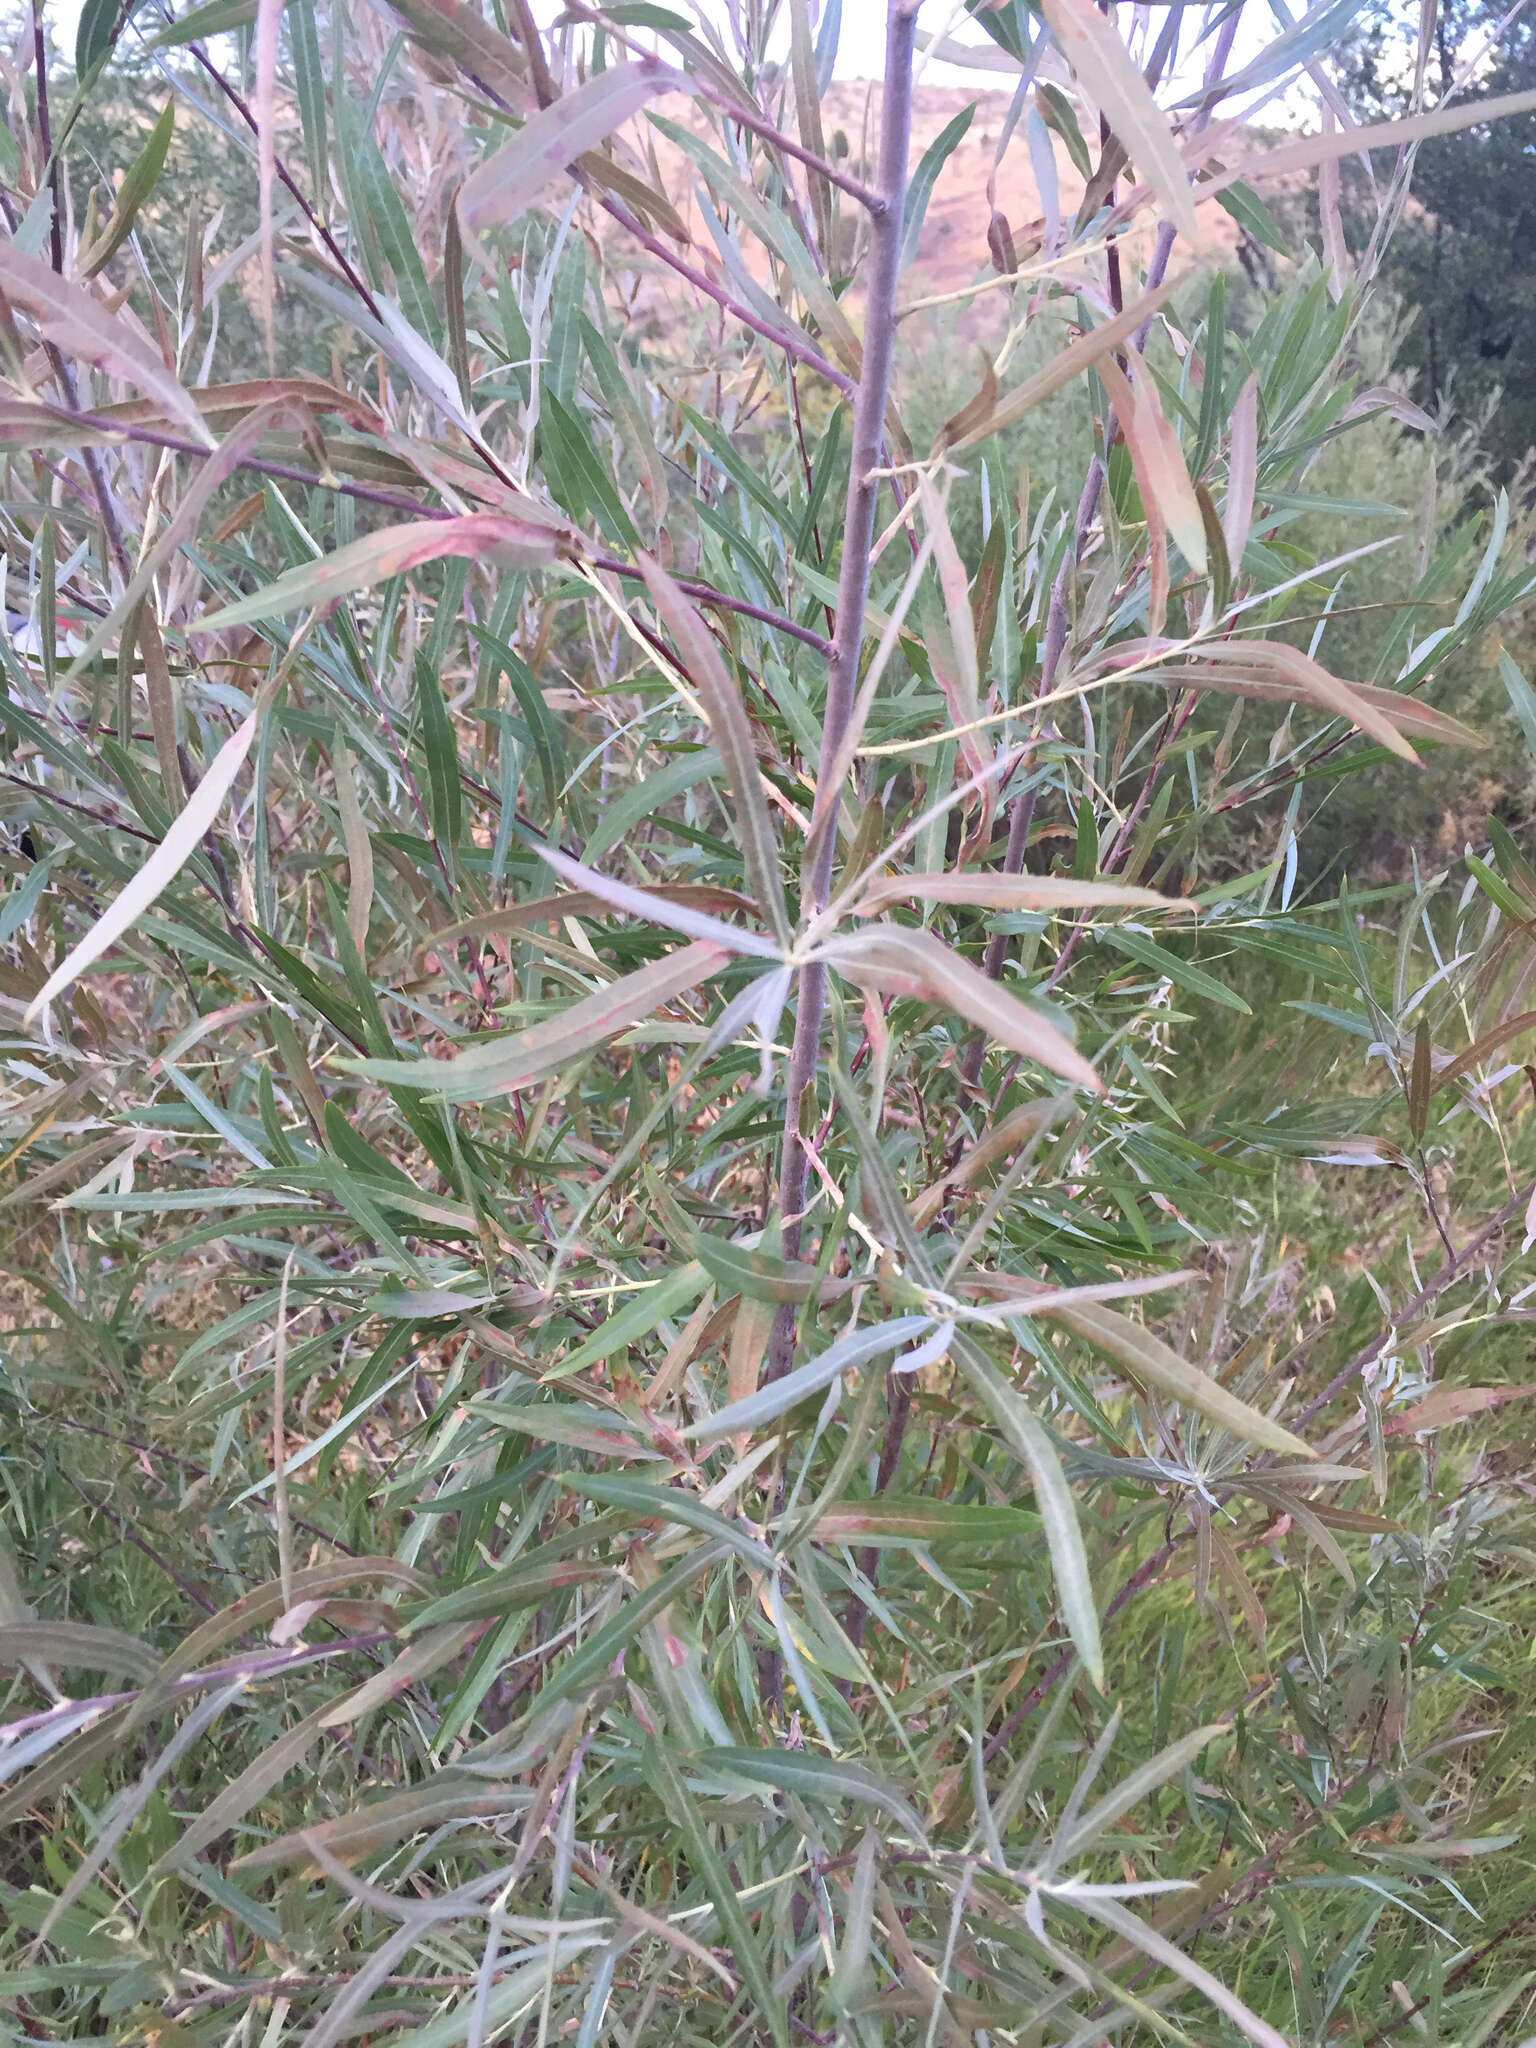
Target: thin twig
130	1535
279	1437
110	517
801	351
186	1464
1463	1969
719	600
874	203
1143	1575
337	254
45	140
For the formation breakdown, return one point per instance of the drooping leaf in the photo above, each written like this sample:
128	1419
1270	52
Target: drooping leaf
758	1274
510	180
1091	44
394	550
1148	1359
668	1504
497	1064
159	871
76	1643
917	963
81	326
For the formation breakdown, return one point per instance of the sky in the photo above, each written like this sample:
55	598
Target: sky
861	41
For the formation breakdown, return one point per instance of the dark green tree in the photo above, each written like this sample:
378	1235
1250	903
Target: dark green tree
1464	258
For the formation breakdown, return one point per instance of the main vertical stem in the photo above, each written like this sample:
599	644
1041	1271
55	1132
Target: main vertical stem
869	407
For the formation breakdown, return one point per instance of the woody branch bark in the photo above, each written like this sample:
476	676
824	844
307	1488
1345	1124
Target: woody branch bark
869	409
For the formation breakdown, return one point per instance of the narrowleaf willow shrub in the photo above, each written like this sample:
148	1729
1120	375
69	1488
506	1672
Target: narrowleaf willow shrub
654	1388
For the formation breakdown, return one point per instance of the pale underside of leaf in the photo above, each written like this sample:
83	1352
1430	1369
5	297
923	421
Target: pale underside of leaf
159	871
673	912
494	1066
541	910
1012	892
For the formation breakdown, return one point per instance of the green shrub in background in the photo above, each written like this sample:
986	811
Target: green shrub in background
732	1312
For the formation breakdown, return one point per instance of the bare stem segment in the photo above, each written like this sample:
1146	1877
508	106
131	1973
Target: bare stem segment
869	407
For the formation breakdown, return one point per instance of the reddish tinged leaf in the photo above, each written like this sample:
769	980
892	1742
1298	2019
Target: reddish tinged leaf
1066	364
1268	669
481	536
959	678
375	1826
1452	1404
1483	1048
1158	461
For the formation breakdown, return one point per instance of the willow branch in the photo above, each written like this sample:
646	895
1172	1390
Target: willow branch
869	410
